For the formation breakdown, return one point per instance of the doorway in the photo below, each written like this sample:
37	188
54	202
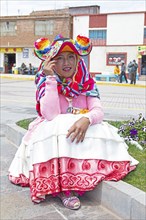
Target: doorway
9	60
143	65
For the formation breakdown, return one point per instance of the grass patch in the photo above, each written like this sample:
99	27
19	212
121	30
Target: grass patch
25	123
136	177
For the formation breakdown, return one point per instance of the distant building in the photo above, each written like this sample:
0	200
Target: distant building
18	34
115	36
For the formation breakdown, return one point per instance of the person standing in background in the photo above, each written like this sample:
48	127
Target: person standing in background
129	69
133	70
30	69
123	72
117	72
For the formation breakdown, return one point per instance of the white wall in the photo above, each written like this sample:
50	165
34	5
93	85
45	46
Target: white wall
125	29
98	57
31	59
80	26
1	59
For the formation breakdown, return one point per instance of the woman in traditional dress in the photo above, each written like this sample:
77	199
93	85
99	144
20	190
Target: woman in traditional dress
68	149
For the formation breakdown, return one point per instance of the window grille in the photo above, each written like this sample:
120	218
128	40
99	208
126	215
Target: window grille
43	28
8	28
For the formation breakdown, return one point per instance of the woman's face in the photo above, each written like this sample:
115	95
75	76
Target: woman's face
65	65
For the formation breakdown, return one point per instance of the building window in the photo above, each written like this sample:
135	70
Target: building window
98	37
8	28
43	28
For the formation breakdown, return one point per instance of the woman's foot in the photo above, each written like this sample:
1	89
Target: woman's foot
71	202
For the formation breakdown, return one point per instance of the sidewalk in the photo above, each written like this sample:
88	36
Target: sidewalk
110	200
141	84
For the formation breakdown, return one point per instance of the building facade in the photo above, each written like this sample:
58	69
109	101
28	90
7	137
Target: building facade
18	34
115	37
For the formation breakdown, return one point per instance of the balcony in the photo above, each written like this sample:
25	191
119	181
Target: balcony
98	42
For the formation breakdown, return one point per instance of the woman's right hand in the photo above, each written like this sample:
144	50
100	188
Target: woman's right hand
49	66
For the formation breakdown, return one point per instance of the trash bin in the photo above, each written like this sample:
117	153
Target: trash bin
15	70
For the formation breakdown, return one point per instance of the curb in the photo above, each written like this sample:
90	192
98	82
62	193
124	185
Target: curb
120	84
31	78
126	201
16	76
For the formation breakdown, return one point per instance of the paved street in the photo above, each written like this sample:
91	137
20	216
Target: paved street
122	102
17	97
119	102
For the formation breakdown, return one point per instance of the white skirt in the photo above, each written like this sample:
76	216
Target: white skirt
49	141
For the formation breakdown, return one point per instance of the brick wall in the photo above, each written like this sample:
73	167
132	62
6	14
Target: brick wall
25	35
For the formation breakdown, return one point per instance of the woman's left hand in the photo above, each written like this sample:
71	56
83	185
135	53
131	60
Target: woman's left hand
78	130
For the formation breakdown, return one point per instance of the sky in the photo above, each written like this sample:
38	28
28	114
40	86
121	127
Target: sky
25	7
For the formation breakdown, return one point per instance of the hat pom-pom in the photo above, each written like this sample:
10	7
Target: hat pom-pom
82	42
42	45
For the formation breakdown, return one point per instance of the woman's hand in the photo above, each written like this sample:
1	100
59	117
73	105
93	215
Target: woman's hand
78	130
49	66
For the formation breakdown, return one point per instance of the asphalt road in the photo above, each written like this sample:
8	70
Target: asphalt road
119	102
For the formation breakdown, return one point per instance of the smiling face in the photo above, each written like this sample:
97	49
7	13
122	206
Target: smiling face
65	65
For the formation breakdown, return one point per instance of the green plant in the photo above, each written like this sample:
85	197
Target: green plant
134	131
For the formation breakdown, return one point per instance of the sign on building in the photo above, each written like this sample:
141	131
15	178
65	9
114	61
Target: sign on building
25	53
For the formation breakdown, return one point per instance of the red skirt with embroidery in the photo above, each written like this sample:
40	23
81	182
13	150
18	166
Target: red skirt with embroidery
66	174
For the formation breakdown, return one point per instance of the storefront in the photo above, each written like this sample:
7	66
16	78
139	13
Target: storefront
8	56
142	60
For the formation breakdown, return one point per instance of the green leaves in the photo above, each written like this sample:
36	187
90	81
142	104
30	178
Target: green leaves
134	129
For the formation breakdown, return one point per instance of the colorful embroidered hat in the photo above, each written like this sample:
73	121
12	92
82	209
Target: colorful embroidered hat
43	48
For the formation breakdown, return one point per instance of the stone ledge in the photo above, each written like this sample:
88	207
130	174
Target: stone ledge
126	201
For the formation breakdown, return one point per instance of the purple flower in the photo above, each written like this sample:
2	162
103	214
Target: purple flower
131	124
133	132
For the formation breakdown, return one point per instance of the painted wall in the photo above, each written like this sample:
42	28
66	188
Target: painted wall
98	57
124	32
80	26
31	59
125	29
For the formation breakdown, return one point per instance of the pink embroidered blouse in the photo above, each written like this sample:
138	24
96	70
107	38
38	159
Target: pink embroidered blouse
52	103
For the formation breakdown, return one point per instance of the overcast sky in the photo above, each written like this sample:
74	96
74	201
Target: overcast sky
21	7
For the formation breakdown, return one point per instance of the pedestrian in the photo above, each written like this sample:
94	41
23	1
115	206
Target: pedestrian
30	69
117	72
129	69
123	72
133	72
68	149
23	69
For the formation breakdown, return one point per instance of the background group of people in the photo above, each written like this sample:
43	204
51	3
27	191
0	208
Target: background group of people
132	70
27	70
